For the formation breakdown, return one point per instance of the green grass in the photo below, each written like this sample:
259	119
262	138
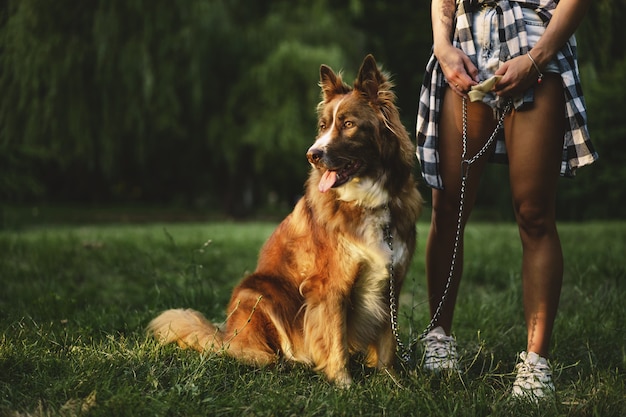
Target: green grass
74	302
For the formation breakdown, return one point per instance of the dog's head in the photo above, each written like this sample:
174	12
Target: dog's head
362	151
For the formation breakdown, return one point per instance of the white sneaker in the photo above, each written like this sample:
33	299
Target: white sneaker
439	351
534	378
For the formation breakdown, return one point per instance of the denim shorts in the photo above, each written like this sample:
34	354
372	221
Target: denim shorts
487	42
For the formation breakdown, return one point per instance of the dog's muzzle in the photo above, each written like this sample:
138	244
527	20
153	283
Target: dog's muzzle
314	155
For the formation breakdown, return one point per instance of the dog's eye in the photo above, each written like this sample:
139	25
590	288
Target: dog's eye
322	126
348	124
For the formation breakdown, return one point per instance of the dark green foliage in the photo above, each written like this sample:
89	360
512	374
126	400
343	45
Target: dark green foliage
175	101
211	103
600	193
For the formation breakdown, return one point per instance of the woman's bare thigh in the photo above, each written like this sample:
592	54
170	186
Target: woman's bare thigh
534	141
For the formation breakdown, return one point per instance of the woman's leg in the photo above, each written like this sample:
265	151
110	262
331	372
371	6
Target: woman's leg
534	140
445	210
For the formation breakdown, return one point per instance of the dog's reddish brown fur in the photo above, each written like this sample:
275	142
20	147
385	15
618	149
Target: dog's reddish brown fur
320	291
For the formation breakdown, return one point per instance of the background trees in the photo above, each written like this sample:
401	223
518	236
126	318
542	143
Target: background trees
211	103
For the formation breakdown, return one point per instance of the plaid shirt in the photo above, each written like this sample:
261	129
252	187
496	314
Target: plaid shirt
577	148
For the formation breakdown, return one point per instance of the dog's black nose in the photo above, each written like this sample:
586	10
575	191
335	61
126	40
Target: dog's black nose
314	155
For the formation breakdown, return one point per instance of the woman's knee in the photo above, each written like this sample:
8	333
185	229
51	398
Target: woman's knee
445	213
535	219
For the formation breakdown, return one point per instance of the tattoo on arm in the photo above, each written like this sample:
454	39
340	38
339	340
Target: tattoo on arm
445	10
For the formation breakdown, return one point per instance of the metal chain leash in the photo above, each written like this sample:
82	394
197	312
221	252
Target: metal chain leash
465	166
402	351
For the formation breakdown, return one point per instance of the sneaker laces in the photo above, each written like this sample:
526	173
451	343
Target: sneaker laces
534	377
440	351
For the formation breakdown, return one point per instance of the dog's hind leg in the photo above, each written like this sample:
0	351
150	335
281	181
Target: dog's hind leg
250	335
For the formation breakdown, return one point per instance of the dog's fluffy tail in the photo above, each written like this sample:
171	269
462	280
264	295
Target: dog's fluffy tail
188	328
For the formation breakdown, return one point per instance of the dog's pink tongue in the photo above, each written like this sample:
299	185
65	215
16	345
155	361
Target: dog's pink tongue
327	181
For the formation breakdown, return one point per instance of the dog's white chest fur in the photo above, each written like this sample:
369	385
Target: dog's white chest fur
369	307
364	191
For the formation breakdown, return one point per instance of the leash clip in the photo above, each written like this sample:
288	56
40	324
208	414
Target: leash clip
465	167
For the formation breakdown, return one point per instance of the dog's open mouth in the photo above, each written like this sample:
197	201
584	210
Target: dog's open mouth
335	178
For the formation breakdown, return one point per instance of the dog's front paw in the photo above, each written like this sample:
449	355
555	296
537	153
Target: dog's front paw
342	379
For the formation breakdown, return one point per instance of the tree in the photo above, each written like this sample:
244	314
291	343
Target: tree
211	103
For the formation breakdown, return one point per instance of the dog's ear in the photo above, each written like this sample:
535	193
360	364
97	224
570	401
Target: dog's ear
331	83
369	79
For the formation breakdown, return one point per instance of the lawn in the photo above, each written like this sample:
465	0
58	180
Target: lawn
75	300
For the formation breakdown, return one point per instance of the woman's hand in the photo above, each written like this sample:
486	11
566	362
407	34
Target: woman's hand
518	74
458	69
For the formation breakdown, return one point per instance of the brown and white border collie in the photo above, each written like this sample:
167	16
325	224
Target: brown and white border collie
320	292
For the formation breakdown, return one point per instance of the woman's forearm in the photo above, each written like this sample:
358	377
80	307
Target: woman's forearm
442	17
565	20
